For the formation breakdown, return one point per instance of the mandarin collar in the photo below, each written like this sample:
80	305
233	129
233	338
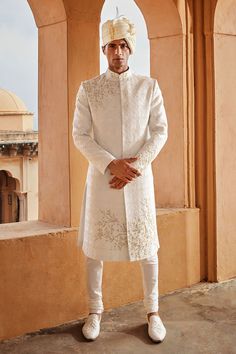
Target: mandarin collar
115	76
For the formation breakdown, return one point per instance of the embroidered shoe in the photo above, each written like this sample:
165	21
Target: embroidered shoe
91	328
156	329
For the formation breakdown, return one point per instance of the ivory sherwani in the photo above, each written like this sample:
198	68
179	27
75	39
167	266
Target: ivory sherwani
119	116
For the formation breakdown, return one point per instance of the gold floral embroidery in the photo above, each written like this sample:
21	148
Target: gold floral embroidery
145	157
110	229
99	88
141	231
149	151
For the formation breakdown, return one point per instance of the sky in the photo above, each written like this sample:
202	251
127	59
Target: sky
19	47
18	52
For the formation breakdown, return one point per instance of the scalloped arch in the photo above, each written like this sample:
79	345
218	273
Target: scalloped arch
47	12
155	14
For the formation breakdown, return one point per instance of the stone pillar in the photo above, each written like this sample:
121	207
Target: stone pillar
167	67
224	44
83	63
23	205
4	207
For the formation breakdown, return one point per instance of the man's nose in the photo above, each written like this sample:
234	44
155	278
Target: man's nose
118	50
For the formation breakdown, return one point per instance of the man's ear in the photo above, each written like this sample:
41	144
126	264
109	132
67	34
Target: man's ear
103	49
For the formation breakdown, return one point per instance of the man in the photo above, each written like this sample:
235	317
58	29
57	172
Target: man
120	126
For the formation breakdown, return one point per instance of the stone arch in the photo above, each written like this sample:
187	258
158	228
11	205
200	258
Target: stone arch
225	130
51	20
66	57
8	173
48	12
156	13
166	32
167	62
66	31
11	174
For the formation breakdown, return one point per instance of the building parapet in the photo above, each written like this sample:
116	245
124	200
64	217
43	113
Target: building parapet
15	143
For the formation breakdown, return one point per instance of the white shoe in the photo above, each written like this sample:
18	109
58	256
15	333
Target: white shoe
91	328
156	329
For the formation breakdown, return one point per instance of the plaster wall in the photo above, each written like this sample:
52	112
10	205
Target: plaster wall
171	187
54	191
225	113
225	71
32	189
16	122
27	122
83	63
167	65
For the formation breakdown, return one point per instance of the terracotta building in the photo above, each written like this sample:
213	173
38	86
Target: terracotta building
18	161
192	54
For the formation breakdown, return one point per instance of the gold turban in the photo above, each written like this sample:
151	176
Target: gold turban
119	28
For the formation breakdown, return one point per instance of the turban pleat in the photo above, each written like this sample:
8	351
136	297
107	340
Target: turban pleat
119	28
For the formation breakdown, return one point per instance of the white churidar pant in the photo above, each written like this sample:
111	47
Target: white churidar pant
149	270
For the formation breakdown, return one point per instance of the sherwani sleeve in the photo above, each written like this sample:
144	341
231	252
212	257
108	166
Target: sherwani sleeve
81	132
158	128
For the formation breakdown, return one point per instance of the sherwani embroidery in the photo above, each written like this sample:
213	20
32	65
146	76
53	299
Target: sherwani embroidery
119	116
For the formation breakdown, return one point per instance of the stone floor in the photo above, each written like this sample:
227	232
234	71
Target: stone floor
200	319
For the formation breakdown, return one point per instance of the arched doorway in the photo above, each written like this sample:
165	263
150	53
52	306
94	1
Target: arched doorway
9	200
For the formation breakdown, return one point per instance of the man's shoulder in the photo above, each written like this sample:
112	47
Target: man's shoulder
143	78
94	81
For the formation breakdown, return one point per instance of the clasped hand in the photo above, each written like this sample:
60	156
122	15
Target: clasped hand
123	172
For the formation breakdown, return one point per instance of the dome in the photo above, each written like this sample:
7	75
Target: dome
11	104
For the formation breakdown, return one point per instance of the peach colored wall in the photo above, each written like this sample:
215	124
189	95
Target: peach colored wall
83	63
43	278
179	254
18	122
167	55
200	128
171	192
204	105
32	189
54	186
48	12
225	113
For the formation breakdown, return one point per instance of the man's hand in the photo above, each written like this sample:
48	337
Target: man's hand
116	183
122	169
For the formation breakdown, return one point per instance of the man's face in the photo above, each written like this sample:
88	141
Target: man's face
117	53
